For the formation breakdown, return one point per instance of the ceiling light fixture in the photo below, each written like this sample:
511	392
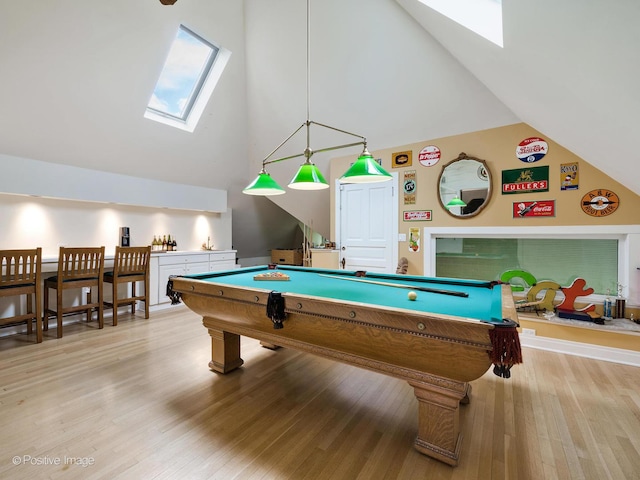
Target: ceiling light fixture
309	177
168	2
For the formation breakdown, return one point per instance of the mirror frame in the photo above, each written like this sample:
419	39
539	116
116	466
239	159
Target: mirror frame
464	156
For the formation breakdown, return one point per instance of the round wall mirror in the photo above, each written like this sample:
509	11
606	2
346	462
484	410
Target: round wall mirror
464	186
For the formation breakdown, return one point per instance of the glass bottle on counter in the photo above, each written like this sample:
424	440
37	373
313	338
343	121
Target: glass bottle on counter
607	307
175	244
169	243
154	244
164	243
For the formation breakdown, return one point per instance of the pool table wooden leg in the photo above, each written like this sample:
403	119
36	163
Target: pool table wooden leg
225	351
439	433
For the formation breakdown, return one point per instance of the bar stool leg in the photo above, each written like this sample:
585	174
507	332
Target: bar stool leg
45	307
114	299
89	310
29	310
101	304
133	294
38	317
59	311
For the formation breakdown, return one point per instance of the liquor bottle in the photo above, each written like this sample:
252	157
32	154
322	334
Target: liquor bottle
164	243
154	244
175	244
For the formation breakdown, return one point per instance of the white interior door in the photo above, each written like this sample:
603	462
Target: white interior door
367	226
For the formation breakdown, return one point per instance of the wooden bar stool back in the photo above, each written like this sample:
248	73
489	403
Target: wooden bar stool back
78	268
130	265
21	274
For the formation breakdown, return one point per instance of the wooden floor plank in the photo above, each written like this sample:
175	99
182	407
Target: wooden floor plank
139	401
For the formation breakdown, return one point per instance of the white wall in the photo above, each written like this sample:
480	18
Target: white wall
33	177
30	222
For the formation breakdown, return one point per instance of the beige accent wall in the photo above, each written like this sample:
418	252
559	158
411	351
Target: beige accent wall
497	146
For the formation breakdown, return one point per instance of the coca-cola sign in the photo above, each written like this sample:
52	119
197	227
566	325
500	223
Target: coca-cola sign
538	208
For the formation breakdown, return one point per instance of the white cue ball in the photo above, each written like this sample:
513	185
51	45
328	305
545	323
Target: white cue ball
412	295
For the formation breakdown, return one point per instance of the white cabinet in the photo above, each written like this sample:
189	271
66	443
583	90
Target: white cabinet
222	260
164	265
179	264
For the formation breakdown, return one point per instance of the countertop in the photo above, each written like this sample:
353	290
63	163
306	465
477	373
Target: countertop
50	262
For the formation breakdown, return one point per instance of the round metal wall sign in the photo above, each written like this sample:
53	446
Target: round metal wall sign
600	202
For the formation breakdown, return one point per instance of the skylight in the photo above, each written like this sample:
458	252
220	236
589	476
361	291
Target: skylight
190	73
484	17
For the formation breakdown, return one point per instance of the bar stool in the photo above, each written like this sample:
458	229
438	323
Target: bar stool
130	265
21	274
78	268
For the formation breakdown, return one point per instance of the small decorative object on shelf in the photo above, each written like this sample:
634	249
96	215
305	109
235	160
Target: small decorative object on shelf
620	302
608	307
620	307
208	245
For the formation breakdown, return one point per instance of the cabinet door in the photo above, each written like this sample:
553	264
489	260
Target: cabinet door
222	261
222	265
200	267
153	281
165	272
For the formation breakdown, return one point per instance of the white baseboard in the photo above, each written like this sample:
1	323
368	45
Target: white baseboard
597	352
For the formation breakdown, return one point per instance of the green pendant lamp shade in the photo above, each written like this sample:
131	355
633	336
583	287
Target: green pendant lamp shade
308	177
456	202
264	185
365	170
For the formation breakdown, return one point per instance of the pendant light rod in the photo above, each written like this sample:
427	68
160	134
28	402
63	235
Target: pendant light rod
308	68
363	142
309	177
328	149
308	151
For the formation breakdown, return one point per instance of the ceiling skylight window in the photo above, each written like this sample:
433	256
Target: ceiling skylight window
190	73
484	17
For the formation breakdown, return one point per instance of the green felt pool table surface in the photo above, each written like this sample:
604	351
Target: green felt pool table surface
483	301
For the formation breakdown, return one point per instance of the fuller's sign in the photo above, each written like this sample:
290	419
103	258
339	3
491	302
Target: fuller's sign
525	180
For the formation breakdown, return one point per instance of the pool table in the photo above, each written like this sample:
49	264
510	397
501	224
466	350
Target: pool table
438	342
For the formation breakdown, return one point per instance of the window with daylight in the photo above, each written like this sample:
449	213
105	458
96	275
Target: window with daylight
483	17
189	76
556	259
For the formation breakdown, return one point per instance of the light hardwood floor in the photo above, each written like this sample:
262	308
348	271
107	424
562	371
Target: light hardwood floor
137	401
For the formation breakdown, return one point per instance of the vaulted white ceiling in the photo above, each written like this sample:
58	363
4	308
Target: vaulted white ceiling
76	77
568	68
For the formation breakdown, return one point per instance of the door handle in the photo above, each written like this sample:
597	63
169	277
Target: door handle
343	262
